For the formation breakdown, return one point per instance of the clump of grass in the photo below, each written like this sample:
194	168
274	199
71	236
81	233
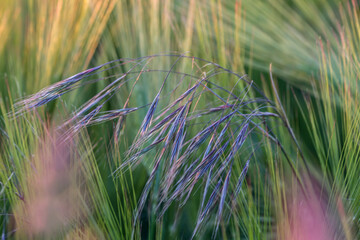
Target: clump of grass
44	41
193	132
48	39
55	188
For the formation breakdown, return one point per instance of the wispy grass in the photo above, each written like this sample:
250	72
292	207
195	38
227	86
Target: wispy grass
191	140
48	40
58	189
333	121
313	48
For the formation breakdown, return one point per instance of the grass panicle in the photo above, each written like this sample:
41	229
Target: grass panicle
190	141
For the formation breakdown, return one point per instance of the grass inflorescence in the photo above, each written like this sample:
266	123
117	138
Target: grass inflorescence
189	142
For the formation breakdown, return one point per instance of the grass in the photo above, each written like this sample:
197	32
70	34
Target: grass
171	145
